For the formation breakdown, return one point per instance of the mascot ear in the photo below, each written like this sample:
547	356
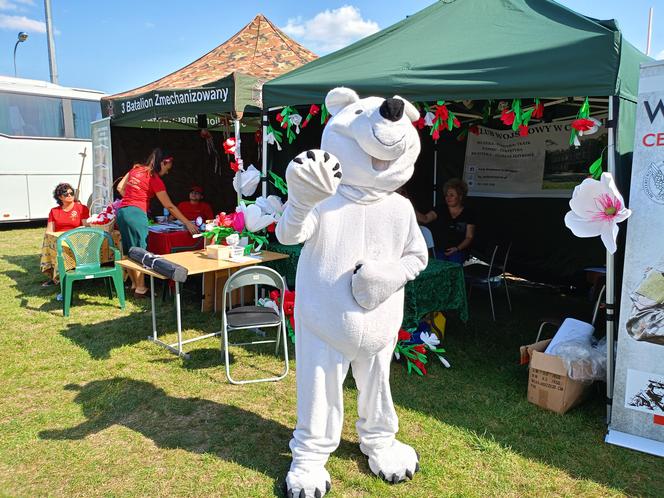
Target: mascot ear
338	98
410	110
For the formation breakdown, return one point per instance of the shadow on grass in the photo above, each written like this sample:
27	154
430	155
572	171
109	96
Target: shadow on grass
193	424
484	394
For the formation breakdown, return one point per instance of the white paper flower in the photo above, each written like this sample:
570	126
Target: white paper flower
429	118
254	219
271	139
271	205
268	303
295	120
247	181
233	239
430	339
597	208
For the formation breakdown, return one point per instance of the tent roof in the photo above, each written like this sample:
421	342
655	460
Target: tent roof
260	49
226	79
474	49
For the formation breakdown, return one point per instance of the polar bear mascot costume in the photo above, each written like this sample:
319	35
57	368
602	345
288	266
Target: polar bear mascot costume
361	245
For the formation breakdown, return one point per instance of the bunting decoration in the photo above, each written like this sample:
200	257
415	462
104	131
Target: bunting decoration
314	110
274	137
583	124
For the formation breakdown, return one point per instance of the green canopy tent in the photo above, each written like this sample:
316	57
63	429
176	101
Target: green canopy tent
221	90
474	49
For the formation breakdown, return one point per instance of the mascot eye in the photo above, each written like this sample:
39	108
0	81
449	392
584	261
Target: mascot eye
359	111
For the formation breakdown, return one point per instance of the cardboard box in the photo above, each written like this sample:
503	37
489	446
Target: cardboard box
549	386
218	251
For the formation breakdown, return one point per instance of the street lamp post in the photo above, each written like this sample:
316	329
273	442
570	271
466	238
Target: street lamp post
22	36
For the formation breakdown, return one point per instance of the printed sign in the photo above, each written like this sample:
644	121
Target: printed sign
636	419
501	163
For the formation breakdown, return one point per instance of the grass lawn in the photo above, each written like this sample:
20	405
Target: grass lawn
91	408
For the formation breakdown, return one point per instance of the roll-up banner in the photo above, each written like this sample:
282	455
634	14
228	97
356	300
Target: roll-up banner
637	419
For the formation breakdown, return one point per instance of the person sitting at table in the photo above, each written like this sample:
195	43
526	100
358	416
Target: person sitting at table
196	206
67	215
454	224
137	187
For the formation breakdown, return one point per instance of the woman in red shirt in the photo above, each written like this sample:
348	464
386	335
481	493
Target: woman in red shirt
69	213
137	187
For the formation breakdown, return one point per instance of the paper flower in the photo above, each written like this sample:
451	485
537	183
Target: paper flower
254	219
429	118
507	117
430	339
245	182
229	145
523	130
272	205
296	120
586	126
538	111
419	124
597	208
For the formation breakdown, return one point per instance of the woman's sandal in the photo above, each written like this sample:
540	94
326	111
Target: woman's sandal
142	295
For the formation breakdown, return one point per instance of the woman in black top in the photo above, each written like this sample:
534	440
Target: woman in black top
454	226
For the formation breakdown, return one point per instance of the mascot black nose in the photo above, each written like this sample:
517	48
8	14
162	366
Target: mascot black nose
392	109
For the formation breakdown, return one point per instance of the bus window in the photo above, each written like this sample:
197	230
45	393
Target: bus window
85	112
31	115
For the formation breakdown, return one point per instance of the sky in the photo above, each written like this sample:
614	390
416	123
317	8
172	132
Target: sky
117	45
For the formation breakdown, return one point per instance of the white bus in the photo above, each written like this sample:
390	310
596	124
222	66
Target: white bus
44	129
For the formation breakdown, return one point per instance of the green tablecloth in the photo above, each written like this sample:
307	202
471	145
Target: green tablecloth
440	286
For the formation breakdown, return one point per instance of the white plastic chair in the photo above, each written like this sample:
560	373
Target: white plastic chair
253	317
428	238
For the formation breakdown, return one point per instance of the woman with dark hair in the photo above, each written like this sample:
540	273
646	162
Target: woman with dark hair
137	187
454	227
69	213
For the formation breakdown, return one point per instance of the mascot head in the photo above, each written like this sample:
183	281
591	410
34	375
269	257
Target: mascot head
373	138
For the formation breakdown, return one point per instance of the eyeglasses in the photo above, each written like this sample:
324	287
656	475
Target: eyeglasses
68	193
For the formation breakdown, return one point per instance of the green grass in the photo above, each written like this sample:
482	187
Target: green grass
91	408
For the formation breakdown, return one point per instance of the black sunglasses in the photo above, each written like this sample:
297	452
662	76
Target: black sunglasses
68	193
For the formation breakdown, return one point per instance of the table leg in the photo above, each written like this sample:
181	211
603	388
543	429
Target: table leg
178	315
154	313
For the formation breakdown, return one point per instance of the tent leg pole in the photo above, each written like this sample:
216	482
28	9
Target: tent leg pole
264	158
435	172
610	276
238	154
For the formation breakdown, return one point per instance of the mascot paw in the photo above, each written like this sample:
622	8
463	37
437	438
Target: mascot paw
307	484
373	282
394	463
313	176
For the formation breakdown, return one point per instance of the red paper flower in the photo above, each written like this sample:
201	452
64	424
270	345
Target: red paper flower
271	228
523	130
582	124
419	124
274	295
403	335
507	117
420	365
475	130
455	122
420	349
229	145
435	135
289	302
258	136
442	112
234	166
280	118
538	112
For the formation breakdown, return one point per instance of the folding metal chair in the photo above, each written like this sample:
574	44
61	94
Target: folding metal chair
491	275
253	317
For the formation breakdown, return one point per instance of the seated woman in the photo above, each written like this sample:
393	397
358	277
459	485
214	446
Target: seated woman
68	214
196	207
454	224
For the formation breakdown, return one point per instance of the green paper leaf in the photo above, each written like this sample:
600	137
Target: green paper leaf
417	370
450	121
279	183
525	117
596	168
410	366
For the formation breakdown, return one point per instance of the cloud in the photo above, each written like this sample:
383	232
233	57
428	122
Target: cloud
11	4
660	56
22	23
331	29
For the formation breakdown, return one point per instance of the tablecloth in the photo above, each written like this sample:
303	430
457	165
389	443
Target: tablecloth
439	287
169	242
